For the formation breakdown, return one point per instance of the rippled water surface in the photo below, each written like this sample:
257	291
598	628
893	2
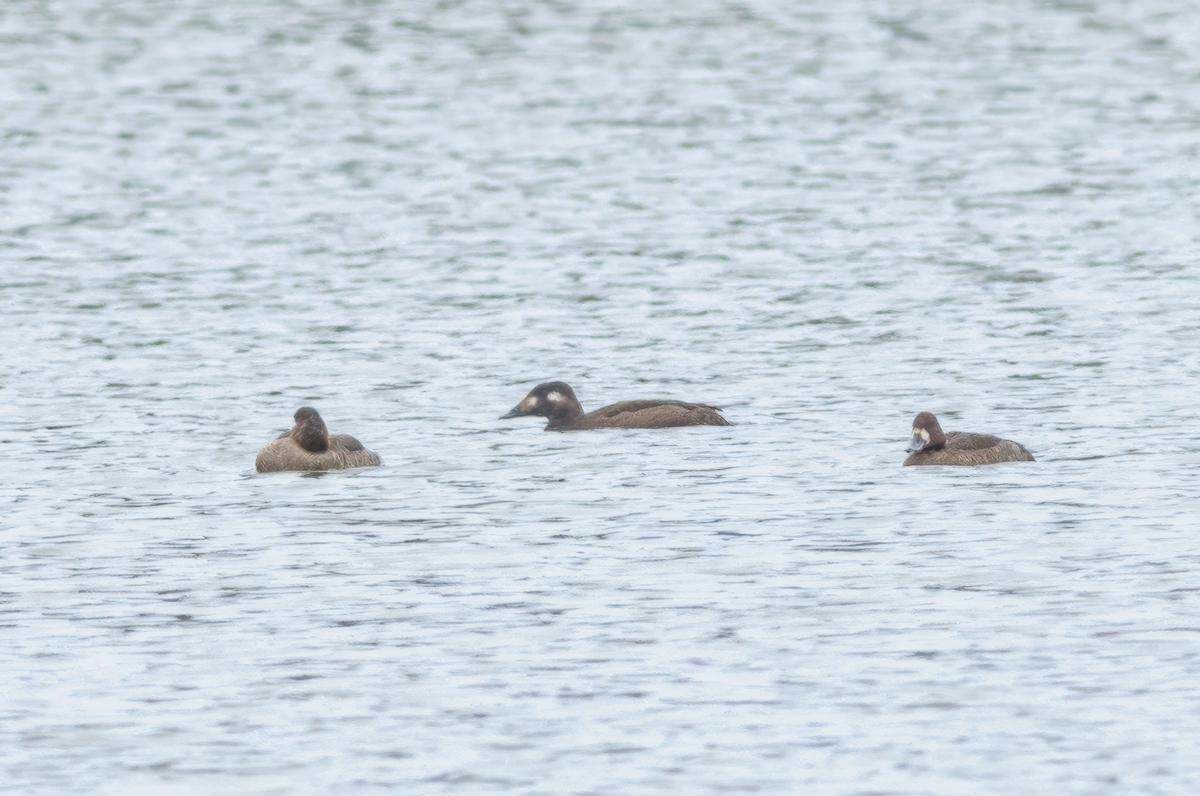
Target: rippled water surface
823	217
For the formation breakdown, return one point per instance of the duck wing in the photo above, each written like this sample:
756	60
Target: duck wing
966	441
654	413
345	442
624	407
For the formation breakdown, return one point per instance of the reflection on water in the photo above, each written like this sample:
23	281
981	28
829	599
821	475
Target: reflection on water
823	220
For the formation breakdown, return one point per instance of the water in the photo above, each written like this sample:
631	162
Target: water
823	218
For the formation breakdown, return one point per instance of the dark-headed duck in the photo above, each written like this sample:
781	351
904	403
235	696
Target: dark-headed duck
556	401
310	446
930	445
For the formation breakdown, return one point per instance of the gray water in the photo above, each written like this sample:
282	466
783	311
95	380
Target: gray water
823	217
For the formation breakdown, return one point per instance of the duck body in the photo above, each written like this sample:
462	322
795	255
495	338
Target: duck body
930	445
556	401
310	446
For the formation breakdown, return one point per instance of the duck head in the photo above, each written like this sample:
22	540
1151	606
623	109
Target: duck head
310	432
554	400
927	434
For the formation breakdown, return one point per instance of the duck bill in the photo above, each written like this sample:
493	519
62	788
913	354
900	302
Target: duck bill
527	407
917	443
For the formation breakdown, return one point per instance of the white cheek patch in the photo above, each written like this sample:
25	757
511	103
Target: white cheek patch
554	397
922	433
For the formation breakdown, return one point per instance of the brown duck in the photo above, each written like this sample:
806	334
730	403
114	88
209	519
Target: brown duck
556	401
930	445
310	446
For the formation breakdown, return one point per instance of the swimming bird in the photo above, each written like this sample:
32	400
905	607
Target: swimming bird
310	446
930	445
556	401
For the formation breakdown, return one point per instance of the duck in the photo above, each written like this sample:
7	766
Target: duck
931	445
556	400
310	446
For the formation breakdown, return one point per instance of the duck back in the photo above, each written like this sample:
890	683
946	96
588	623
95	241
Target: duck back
344	453
653	413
